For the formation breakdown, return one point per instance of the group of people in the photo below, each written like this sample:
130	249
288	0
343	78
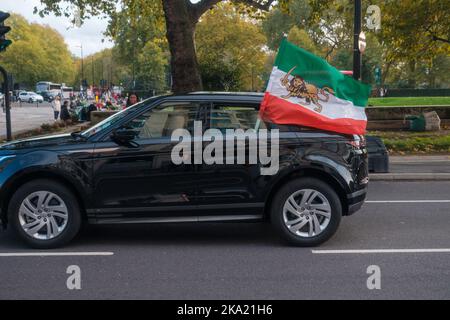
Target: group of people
61	111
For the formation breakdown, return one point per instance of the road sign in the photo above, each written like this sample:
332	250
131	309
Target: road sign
362	44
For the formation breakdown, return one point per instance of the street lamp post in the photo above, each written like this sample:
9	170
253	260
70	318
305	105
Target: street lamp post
82	66
7	103
357	56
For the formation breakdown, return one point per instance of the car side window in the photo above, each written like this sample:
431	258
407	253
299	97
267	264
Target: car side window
161	121
235	116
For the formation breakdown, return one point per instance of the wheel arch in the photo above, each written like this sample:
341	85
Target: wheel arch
319	174
19	181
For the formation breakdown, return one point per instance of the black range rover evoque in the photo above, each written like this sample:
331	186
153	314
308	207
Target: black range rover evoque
120	171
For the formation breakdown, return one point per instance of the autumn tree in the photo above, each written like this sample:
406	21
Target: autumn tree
230	50
181	18
31	59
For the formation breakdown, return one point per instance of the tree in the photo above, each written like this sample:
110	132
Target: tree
39	53
181	17
153	65
302	39
230	50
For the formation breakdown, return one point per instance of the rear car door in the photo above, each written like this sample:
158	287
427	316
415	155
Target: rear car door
232	188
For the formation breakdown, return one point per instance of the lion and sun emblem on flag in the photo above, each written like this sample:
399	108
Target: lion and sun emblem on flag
297	87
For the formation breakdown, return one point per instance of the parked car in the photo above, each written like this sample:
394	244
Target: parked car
31	97
121	171
48	96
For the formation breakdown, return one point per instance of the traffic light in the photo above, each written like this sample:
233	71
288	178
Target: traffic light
4	43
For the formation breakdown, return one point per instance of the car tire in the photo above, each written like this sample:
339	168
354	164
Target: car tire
306	224
59	212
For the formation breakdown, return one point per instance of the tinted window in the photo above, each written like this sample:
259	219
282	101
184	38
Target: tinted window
163	120
224	117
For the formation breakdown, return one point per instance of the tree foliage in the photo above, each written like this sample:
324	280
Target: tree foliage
38	53
230	50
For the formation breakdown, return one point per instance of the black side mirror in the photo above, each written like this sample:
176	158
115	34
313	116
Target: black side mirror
125	136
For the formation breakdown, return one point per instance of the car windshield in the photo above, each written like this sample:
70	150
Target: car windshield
108	122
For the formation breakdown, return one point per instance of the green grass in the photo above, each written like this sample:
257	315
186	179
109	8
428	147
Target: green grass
409	101
415	142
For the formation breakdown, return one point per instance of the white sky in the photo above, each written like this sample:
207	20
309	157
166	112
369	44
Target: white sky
90	34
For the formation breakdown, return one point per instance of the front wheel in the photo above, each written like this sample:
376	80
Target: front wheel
45	214
306	212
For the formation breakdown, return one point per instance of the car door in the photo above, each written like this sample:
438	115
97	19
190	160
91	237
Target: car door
141	180
232	187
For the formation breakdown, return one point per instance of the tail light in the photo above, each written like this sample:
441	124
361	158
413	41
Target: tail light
358	142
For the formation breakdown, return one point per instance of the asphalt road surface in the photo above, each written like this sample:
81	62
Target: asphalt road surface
406	224
27	116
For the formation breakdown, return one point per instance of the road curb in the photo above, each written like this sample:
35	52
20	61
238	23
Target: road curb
410	177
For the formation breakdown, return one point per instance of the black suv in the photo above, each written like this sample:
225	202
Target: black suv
121	171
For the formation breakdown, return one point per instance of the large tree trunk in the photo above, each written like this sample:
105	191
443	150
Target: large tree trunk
412	75
180	34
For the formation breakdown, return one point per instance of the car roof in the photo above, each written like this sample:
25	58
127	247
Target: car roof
238	97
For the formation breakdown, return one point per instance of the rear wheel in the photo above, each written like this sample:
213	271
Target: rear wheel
306	212
45	214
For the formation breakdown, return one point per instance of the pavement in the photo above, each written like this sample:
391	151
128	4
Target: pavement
403	229
416	168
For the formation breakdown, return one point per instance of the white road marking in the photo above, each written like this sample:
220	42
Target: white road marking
381	251
409	201
55	254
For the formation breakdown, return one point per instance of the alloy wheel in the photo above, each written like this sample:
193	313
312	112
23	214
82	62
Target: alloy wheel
43	215
307	213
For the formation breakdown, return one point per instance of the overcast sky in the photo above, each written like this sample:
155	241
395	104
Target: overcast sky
90	34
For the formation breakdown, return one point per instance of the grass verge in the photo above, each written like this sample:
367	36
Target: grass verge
420	143
409	101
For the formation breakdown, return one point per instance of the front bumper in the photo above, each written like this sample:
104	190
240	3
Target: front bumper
356	200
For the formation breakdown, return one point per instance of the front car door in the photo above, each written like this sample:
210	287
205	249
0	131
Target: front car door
141	181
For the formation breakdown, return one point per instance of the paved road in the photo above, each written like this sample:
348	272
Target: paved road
246	261
26	117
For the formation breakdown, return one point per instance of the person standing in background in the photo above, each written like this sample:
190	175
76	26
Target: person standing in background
132	100
65	114
56	105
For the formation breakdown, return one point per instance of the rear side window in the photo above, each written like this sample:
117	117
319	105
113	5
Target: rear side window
235	116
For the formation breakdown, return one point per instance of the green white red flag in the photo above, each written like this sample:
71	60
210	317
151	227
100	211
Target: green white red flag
306	90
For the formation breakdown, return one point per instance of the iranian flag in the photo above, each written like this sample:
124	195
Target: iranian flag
305	90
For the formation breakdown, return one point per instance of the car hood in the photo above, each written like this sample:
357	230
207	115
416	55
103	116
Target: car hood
38	142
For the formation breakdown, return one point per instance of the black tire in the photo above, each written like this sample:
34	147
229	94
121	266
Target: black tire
277	218
73	212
